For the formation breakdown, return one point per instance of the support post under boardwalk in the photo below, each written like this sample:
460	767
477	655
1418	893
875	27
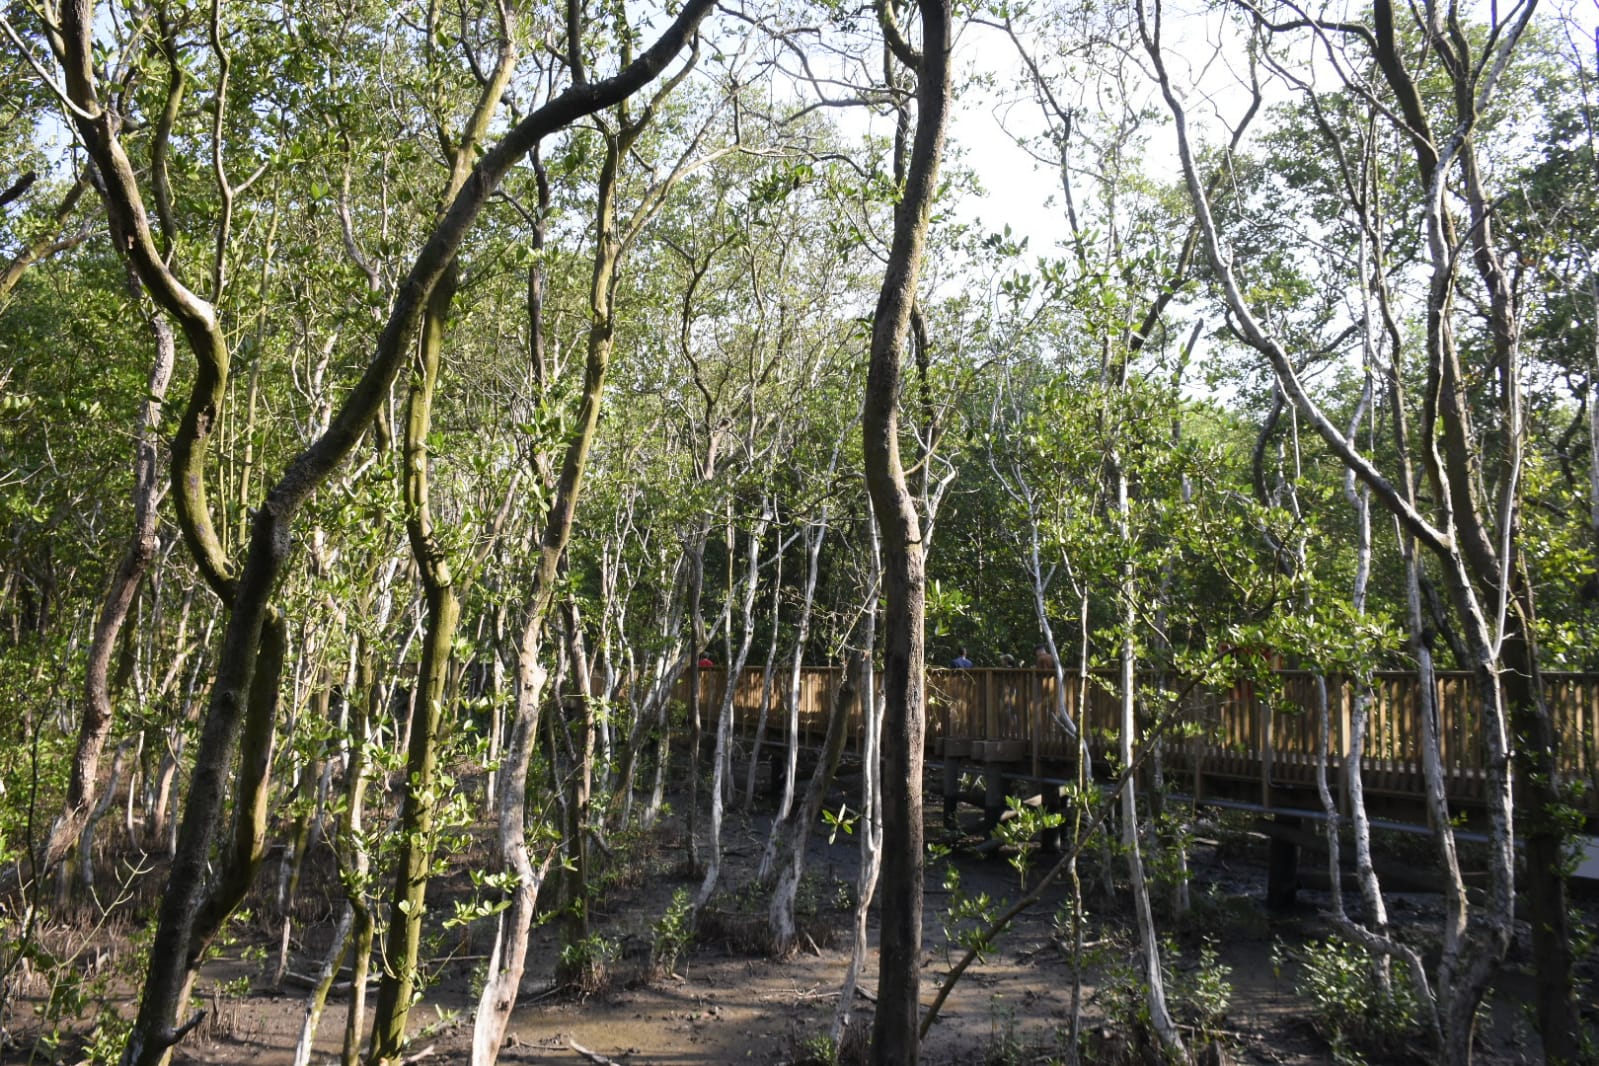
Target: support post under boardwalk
1282	867
952	789
1055	803
994	796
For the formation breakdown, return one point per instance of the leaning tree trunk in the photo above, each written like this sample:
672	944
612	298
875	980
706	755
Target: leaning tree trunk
512	933
322	983
894	1033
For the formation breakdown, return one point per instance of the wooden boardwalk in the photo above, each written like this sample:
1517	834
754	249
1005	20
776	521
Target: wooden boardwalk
1252	745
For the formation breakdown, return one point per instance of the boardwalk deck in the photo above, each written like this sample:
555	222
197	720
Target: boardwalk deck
1252	744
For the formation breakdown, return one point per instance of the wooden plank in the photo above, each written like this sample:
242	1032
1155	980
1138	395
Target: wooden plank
1242	740
992	711
1266	750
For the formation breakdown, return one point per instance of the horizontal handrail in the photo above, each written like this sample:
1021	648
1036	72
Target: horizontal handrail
1265	727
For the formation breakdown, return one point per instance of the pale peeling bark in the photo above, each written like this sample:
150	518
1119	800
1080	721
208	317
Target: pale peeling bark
695	552
767	673
815	533
1359	499
512	929
338	949
1457	536
724	717
780	928
870	818
1160	1018
667	666
1593	418
521	894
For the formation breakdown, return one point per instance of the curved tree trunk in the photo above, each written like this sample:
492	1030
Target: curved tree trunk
894	1033
515	921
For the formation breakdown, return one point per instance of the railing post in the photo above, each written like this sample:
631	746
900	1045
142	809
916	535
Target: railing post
1345	696
990	708
1035	729
1263	713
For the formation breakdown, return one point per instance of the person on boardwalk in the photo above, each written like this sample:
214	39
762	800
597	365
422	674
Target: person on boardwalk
1042	659
961	661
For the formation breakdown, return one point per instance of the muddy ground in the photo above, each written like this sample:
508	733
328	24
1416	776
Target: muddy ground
726	1002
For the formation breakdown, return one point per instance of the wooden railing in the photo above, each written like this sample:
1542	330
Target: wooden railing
1253	731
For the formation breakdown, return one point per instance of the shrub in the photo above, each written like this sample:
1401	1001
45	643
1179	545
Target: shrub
1352	1010
673	934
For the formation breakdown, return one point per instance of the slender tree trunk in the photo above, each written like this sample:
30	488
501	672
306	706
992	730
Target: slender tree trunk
781	930
408	904
338	950
814	535
580	780
870	825
97	713
1593	417
724	718
697	650
767	673
895	1026
86	837
1148	941
180	935
515	921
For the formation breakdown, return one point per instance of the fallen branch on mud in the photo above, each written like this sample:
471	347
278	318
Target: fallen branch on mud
593	1056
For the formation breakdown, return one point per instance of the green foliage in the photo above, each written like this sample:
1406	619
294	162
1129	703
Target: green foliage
587	962
1005	1045
815	1050
1348	1006
967	917
839	821
1020	828
1197	991
673	933
82	980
